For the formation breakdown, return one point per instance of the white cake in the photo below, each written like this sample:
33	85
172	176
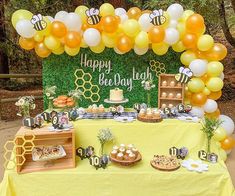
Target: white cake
116	94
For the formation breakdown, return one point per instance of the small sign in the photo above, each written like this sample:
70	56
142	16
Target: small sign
46	116
85	153
99	162
179	153
204	156
33	122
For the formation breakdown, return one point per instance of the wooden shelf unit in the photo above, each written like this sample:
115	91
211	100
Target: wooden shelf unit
168	89
44	137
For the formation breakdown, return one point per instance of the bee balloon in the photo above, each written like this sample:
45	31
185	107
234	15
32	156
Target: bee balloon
157	17
38	23
93	16
184	75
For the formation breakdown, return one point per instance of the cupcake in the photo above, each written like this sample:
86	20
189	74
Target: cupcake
129	151
101	108
114	153
149	113
171	95
156	114
122	150
120	156
132	157
163	105
122	146
164	94
178	95
130	146
135	151
172	83
170	105
164	83
142	113
89	109
115	148
126	157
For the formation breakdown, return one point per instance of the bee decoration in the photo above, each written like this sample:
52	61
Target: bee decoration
184	75
157	17
38	23
93	16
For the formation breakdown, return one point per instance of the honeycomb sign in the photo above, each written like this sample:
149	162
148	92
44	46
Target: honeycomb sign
96	74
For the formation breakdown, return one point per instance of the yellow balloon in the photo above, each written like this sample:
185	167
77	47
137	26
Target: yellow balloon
59	50
72	51
185	15
109	39
206	91
167	17
205	42
160	48
142	40
51	42
98	49
223	154
219	134
107	9
215	84
20	15
131	28
178	47
83	44
187	57
196	85
181	29
81	11
215	68
38	38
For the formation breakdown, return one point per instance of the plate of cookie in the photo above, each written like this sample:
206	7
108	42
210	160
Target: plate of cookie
125	155
165	163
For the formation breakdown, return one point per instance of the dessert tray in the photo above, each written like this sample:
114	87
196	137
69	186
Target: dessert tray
165	163
48	153
126	162
149	120
116	102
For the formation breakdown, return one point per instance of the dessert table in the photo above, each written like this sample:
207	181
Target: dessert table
140	179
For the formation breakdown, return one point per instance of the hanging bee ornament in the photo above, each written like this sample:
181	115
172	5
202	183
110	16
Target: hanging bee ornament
157	17
38	23
93	16
184	75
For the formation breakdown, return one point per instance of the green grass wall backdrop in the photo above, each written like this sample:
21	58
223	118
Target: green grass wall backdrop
59	71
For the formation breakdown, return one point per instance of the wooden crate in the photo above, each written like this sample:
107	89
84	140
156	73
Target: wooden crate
43	138
168	89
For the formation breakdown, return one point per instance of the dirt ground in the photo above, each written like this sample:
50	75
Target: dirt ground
9	128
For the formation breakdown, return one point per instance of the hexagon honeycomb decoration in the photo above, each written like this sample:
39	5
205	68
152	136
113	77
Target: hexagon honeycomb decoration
10	147
84	83
157	67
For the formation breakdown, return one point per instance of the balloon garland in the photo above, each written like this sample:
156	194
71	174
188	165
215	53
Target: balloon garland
122	30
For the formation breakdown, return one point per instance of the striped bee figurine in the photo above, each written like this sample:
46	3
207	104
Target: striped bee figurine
93	16
38	23
184	75
157	17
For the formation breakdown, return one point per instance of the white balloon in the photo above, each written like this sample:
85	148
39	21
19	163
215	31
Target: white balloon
222	76
197	111
123	18
73	22
60	16
50	18
92	37
120	11
175	11
145	22
198	67
140	51
173	23
118	51
171	36
25	29
210	106
227	124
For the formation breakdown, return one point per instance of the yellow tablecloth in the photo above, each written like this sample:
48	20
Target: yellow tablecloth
139	180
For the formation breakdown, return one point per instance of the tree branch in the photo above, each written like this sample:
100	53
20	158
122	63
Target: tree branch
224	24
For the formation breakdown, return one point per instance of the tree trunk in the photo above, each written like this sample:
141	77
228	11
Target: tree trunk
4	66
224	23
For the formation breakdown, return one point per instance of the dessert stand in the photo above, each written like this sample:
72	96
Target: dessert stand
116	103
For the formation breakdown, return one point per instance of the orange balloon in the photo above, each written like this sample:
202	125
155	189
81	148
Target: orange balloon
27	44
217	53
228	143
156	34
213	115
190	40
41	50
109	24
215	95
73	39
134	13
198	99
204	78
118	19
195	23
124	43
58	29
85	26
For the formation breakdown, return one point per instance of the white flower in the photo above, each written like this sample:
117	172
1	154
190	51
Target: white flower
48	94
21	102
195	165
